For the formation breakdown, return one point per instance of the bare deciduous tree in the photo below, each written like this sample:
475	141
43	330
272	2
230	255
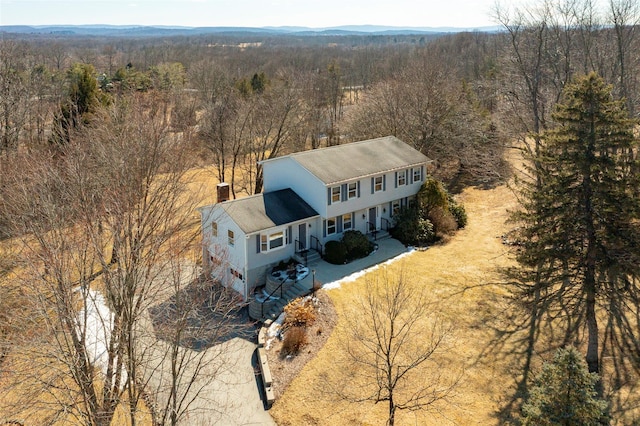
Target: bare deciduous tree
624	16
275	119
427	108
196	328
14	95
106	230
392	347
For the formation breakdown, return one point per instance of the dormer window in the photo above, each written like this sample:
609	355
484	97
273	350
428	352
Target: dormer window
214	229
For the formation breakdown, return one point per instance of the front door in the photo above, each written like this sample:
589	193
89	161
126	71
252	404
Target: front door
302	237
373	219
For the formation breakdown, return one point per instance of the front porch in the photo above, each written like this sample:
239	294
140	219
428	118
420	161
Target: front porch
324	273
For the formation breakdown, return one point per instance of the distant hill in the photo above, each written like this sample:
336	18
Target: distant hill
156	31
383	29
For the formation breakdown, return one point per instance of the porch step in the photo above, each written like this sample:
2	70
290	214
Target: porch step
296	290
379	235
312	256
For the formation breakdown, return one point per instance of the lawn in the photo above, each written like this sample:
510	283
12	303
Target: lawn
463	276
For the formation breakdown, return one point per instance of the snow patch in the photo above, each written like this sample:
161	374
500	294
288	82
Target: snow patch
97	321
351	278
274	330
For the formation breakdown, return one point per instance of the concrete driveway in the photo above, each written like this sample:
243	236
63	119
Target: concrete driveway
227	390
235	397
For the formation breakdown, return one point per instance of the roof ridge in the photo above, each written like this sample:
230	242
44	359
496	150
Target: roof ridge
327	148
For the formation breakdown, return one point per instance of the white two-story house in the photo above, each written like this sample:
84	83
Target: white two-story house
309	198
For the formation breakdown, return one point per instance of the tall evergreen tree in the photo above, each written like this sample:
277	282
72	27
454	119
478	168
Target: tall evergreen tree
82	100
580	229
564	395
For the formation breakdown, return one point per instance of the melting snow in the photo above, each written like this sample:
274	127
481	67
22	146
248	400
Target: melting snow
350	278
99	322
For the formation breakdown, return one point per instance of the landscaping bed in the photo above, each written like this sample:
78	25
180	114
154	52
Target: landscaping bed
285	368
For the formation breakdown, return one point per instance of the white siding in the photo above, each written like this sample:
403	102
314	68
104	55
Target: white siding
233	256
367	199
266	258
281	173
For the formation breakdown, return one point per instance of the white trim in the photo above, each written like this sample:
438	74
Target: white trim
355	190
336	197
335	226
350	222
402	175
268	238
375	183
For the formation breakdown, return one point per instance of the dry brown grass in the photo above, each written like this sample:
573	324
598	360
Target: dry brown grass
463	275
22	376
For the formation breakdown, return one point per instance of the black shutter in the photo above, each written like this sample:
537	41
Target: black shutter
358	186
329	196
372	179
410	176
396	180
324	228
384	182
258	243
289	235
343	191
421	173
339	224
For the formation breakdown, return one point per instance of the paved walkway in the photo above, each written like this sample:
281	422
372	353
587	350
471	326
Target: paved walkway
327	272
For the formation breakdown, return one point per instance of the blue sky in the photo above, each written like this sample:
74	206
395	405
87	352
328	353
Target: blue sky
253	13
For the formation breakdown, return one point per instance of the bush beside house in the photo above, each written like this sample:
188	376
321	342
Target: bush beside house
353	245
433	216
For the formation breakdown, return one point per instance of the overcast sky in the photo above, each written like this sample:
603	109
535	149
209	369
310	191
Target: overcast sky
251	13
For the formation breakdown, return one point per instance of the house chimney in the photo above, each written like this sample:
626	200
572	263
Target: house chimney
222	191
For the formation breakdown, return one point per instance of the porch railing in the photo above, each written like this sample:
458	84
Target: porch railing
301	250
315	244
372	230
279	288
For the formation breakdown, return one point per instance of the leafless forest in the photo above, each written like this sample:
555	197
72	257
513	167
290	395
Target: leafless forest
99	136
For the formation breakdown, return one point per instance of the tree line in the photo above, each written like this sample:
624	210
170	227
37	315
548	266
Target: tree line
98	138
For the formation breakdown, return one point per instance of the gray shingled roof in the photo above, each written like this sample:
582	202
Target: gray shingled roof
264	211
358	159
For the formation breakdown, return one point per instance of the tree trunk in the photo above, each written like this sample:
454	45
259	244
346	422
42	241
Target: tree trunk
591	257
533	325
